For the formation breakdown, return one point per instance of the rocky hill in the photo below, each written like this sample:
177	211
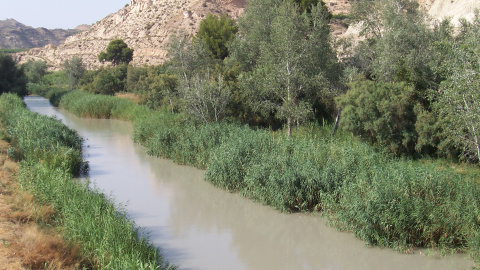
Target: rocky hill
15	35
145	25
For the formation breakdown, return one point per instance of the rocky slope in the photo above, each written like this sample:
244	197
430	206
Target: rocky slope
15	35
145	26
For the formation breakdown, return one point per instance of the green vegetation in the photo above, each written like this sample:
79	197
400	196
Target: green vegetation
385	201
35	70
117	52
216	33
51	154
12	77
409	102
75	70
11	51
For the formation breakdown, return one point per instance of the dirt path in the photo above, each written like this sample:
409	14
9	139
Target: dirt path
23	245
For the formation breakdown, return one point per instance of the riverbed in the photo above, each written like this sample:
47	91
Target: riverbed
202	227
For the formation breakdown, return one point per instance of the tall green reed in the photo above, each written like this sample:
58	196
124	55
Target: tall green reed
385	201
51	154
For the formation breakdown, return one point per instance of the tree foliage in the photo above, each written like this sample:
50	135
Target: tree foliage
12	77
397	45
381	113
35	70
75	70
458	100
287	58
117	52
216	32
202	91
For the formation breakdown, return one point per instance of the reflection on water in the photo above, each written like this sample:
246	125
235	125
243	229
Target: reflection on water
201	227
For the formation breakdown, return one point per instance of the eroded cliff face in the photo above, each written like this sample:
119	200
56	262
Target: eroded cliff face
144	25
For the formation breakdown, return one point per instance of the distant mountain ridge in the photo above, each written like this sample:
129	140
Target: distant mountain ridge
15	35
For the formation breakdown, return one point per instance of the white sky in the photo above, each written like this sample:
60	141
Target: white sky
51	14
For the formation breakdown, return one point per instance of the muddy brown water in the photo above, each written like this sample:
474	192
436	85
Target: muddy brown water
201	227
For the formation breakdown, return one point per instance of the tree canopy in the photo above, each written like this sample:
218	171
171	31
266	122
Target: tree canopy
12	77
287	58
117	52
216	32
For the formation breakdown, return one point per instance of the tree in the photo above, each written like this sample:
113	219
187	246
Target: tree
397	44
75	70
287	57
381	113
306	5
117	52
12	77
458	100
188	57
216	32
203	94
35	70
207	99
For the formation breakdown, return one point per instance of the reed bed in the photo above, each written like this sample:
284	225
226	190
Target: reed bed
51	155
384	201
84	104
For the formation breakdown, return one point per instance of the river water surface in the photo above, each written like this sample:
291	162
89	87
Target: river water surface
200	227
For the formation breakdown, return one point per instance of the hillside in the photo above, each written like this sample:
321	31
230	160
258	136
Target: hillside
15	35
145	25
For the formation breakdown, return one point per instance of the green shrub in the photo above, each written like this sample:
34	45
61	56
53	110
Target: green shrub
381	113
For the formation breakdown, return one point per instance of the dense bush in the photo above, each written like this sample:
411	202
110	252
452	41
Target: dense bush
381	113
217	32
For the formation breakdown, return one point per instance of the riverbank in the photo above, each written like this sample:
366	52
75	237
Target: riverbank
384	201
51	154
24	243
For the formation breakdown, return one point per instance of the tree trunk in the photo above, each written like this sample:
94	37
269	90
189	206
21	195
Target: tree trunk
289	126
337	120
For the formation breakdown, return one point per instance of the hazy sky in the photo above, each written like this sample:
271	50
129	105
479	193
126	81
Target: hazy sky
53	14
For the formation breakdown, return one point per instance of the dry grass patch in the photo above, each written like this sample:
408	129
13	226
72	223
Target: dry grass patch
23	245
129	96
40	249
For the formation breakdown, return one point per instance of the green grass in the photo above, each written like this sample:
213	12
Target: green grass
51	155
384	201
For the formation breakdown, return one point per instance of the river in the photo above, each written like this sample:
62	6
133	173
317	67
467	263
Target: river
202	227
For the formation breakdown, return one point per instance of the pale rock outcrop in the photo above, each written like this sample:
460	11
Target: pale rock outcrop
144	25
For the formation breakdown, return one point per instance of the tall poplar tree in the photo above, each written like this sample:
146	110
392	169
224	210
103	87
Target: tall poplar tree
287	58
